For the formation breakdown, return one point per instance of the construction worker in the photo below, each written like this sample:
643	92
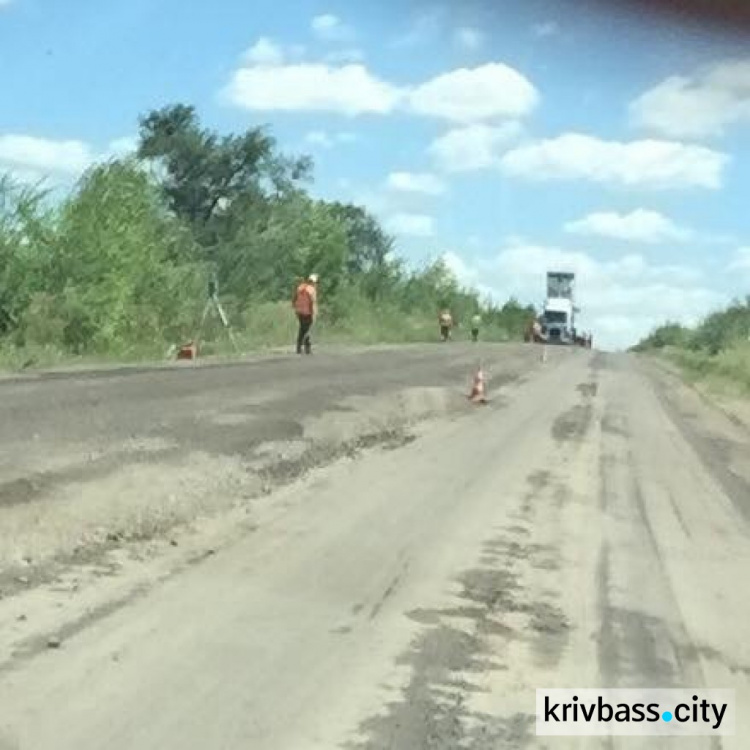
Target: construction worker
528	334
533	330
538	331
305	305
476	321
446	324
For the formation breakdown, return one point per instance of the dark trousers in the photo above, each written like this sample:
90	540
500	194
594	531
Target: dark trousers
474	334
303	336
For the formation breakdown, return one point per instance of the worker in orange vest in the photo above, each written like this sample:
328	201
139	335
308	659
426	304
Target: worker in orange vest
446	324
305	305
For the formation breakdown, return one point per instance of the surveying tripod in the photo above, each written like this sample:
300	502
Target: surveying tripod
213	303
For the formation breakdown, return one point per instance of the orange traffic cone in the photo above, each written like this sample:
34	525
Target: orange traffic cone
478	393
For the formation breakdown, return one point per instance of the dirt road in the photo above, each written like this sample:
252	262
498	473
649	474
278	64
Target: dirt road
590	527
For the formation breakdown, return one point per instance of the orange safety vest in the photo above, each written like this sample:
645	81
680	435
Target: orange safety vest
304	299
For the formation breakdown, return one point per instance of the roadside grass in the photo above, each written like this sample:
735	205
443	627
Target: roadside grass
727	372
264	327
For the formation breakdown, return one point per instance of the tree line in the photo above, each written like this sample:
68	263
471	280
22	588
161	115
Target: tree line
121	264
718	348
718	332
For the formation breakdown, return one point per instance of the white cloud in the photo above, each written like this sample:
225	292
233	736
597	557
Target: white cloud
425	26
621	300
464	272
702	105
123	147
473	147
546	29
411	225
741	260
264	52
640	225
324	23
469	38
467	95
645	163
467	274
30	157
330	28
411	182
349	90
328	140
268	80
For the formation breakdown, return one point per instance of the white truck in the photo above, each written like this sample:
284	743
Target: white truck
558	317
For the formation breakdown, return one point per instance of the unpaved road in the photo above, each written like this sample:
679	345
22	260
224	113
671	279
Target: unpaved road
590	527
91	456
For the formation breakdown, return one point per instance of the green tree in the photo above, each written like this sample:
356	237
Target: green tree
272	249
669	334
207	177
118	280
722	329
370	258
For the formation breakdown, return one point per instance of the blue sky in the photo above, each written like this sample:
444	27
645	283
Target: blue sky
508	137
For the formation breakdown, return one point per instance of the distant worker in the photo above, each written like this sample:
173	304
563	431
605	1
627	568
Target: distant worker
306	306
446	324
476	321
538	331
528	334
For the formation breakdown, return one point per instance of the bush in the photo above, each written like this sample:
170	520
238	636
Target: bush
670	334
120	267
721	330
718	348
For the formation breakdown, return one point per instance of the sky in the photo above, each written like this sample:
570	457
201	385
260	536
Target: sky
508	138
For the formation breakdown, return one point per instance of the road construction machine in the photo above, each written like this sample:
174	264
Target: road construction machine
558	316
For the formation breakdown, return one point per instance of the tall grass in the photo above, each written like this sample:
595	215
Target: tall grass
730	368
716	351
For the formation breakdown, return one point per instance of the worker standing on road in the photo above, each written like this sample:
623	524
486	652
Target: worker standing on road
305	305
446	324
538	332
476	321
528	334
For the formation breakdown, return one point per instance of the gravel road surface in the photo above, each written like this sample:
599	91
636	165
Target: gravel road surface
590	527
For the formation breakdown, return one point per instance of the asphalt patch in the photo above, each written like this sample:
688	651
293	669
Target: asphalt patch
588	390
573	424
460	644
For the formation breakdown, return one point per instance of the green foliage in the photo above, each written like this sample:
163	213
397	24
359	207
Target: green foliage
721	330
270	253
207	177
669	334
120	267
718	332
718	348
27	237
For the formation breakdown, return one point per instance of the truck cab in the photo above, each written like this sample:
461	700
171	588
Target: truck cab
558	320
